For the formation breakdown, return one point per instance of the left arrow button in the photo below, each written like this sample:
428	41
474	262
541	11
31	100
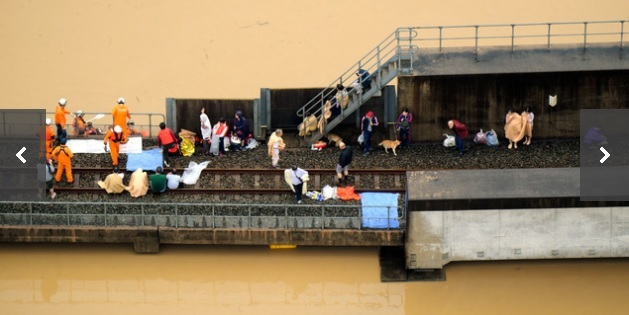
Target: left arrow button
19	155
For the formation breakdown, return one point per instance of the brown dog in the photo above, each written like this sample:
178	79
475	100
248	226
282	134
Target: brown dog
334	138
390	144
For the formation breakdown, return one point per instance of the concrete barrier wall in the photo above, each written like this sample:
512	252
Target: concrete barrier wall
148	239
482	100
435	238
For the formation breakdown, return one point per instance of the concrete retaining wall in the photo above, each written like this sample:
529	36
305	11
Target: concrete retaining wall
148	239
436	238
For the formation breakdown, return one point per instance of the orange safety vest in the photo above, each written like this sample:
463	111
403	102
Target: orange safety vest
60	115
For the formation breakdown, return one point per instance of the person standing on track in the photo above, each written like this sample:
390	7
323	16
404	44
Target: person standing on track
344	161
63	155
60	117
120	114
275	145
206	131
50	138
114	138
166	140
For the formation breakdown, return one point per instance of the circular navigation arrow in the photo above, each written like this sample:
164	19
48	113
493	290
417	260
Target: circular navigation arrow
606	155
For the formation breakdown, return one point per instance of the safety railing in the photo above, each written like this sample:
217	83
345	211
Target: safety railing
195	215
392	50
146	122
404	45
524	35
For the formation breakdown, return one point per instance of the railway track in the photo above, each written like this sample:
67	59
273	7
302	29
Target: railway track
251	181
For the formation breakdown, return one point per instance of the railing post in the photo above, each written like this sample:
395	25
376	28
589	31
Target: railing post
622	31
440	39
176	216
512	38
585	36
360	219
68	214
379	70
388	218
213	218
30	211
548	44
142	213
410	48
322	217
105	214
249	218
150	125
398	49
476	41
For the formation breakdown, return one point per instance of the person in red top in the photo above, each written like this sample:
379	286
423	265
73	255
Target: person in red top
166	140
121	113
114	138
460	133
60	116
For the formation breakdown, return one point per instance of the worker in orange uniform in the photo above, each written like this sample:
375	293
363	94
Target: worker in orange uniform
50	138
79	123
121	114
60	116
63	155
114	138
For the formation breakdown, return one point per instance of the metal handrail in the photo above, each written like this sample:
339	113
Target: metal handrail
410	38
144	217
149	117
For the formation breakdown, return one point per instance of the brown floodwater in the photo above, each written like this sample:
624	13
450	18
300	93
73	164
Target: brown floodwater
112	279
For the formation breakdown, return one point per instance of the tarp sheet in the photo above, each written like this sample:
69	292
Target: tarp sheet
380	210
147	160
134	145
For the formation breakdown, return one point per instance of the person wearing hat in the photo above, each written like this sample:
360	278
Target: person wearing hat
63	155
114	138
50	138
90	130
366	126
60	116
79	123
120	114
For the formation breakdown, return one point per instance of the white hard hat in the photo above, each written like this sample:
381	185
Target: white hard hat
117	129
62	101
48	121
121	100
79	113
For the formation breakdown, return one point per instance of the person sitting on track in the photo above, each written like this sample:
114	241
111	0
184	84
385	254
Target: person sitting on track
174	181
158	181
113	182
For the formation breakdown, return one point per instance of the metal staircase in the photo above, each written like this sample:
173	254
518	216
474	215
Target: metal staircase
474	48
392	57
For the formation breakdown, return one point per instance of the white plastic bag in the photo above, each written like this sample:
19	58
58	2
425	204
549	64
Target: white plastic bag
252	144
449	141
328	192
361	139
214	145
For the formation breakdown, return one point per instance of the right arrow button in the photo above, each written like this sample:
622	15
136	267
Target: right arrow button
606	155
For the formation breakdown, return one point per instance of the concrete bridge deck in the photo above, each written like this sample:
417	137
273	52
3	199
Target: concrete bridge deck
471	215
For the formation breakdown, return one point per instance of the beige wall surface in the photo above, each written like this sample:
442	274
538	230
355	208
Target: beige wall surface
92	52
